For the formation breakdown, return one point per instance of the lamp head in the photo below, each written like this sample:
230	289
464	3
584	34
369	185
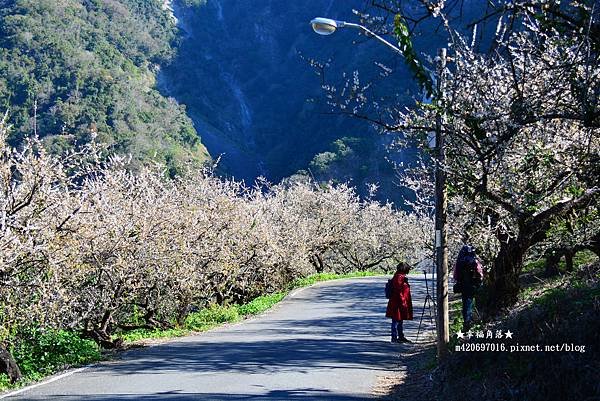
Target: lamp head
324	26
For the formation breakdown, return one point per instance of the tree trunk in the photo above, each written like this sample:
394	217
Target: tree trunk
554	256
183	311
569	254
503	286
219	297
9	366
317	262
103	339
551	265
594	245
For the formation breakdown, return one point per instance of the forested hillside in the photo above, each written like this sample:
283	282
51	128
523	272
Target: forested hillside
244	71
253	74
71	69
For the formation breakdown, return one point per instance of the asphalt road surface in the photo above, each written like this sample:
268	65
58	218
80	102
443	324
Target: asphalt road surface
326	342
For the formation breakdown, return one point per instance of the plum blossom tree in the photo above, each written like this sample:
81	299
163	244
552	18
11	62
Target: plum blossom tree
91	246
523	143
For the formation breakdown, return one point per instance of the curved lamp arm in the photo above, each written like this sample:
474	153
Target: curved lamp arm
327	26
368	32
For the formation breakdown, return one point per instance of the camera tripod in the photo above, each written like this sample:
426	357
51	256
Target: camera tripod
428	303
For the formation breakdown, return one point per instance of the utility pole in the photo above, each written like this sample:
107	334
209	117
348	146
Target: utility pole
441	204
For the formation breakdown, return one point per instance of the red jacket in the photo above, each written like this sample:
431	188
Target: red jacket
400	304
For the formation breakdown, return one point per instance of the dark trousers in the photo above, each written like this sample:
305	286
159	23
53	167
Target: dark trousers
397	331
467	310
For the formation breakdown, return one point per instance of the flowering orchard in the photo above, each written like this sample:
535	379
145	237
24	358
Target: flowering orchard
88	245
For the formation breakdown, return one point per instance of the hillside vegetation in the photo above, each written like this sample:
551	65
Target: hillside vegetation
559	312
72	69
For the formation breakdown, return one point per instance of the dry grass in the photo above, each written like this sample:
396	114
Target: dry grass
562	309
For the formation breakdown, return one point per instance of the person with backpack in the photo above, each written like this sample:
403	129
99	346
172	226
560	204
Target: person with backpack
468	275
399	307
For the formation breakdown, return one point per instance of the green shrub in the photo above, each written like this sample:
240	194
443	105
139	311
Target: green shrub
4	382
260	304
143	334
560	311
41	352
209	317
315	278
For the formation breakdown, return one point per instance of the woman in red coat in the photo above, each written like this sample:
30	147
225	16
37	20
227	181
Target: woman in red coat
399	306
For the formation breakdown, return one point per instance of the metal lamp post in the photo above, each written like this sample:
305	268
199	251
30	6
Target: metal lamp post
327	26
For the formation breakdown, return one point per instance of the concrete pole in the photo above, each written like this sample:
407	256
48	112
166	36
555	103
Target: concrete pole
441	204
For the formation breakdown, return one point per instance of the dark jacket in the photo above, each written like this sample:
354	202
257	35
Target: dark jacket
469	274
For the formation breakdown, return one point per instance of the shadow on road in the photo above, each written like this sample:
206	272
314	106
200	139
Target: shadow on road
314	342
299	355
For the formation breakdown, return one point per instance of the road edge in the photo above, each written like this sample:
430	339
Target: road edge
165	340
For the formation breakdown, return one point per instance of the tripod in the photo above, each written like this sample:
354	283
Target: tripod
427	304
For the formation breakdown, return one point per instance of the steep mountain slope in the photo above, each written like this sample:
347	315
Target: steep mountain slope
70	69
244	72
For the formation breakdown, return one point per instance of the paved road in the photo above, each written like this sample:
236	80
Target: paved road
326	342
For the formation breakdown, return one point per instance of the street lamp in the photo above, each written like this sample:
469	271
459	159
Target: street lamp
327	26
324	26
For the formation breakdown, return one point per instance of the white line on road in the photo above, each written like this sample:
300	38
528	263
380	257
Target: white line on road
53	379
